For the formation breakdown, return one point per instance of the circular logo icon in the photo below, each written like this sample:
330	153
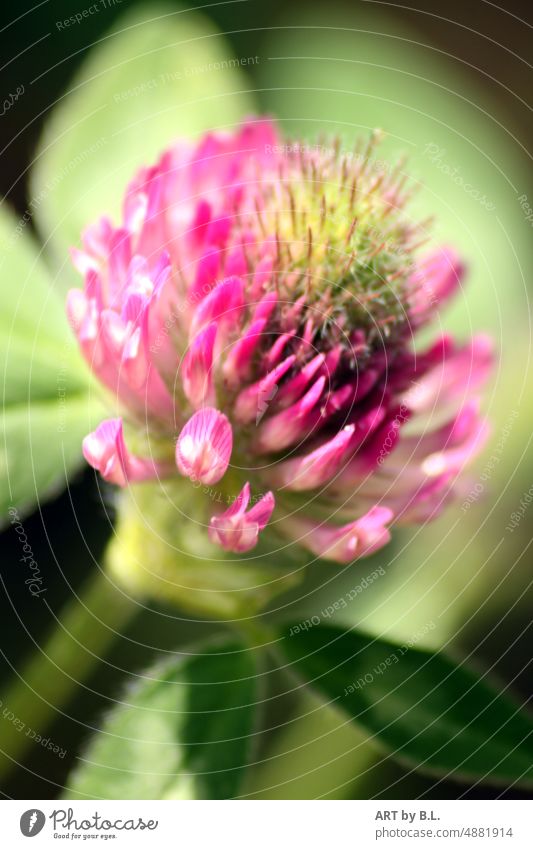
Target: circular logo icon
32	822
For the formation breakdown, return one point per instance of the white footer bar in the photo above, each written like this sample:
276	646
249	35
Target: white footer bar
268	824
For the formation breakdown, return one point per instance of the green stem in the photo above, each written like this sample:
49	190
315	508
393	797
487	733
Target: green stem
83	634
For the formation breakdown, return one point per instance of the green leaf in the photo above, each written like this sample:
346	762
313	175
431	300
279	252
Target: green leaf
159	75
183	731
419	705
44	383
40	449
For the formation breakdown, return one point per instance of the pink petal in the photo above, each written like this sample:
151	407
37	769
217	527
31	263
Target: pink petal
434	282
273	355
352	393
262	275
377	435
347	542
96	238
223	304
452	434
135	209
253	401
454	459
207	271
77	306
266	306
314	469
204	446
237	530
293	315
119	256
236	264
218	231
290	426
105	450
84	319
202	217
454	377
83	261
239	359
427	502
135	361
294	387
197	370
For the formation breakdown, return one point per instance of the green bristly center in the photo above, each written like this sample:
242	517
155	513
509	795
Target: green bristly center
343	238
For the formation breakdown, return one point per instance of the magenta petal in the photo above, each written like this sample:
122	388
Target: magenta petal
294	387
206	276
290	426
77	306
218	231
239	359
319	466
434	282
119	254
237	530
266	306
202	218
272	356
347	542
204	446
197	369
83	262
262	275
236	262
105	450
455	458
135	209
453	375
97	237
223	304
252	403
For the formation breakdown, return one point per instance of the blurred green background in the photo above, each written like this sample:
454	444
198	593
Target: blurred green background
450	86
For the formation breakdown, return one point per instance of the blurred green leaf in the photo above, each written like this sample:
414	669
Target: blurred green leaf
40	450
183	731
344	70
161	74
45	403
423	708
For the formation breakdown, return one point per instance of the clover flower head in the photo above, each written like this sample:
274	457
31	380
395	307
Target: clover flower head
253	319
